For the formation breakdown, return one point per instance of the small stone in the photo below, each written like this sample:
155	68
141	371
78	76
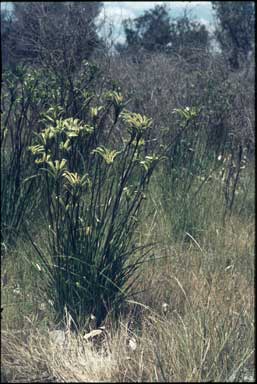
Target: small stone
94	333
57	336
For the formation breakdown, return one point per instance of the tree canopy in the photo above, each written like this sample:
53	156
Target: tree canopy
156	31
235	29
52	33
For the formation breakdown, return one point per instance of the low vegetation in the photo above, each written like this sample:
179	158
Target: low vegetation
127	228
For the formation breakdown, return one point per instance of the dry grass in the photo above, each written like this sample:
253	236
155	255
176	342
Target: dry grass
39	356
205	335
204	332
192	321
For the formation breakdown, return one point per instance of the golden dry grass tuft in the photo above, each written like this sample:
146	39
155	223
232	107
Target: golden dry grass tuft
193	321
43	356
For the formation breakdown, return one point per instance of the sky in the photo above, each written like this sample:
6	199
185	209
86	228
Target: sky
116	11
125	9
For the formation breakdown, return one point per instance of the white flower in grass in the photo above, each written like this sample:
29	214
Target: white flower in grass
132	344
38	267
92	322
17	290
165	307
42	307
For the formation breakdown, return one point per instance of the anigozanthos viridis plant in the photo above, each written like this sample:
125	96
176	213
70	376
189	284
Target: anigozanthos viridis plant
106	154
20	100
192	163
59	137
118	101
26	92
187	113
93	212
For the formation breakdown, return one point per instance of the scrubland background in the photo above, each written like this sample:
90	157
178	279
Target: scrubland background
127	196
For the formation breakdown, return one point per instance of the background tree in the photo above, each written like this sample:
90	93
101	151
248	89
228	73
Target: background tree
55	34
8	44
151	30
188	36
235	29
156	31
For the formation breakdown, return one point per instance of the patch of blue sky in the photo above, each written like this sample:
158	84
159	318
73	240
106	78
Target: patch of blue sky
114	12
199	9
5	5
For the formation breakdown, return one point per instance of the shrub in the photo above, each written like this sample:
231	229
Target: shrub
94	194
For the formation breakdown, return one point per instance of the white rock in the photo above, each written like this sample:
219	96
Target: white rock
57	336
